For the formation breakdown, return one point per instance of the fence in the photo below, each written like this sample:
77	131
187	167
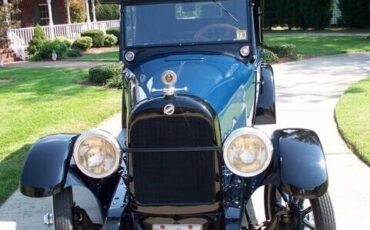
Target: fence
20	38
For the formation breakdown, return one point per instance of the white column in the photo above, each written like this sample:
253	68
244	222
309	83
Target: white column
51	23
68	11
5	2
93	10
87	9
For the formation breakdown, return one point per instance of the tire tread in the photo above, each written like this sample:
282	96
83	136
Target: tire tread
62	208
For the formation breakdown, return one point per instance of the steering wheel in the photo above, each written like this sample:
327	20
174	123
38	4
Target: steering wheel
216	32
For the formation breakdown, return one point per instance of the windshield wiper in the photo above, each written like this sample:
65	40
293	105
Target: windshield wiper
228	12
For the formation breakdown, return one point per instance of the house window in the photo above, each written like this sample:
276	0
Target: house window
44	14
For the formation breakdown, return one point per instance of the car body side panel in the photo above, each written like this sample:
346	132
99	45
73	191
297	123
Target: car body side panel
266	109
46	167
303	171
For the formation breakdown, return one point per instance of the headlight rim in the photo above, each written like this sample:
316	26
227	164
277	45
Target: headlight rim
99	133
251	131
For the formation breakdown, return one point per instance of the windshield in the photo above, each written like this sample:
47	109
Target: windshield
186	23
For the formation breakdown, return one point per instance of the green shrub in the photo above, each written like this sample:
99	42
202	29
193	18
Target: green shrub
74	53
97	37
115	81
355	13
107	12
38	39
269	57
48	47
82	43
110	40
107	74
77	11
284	50
115	32
65	40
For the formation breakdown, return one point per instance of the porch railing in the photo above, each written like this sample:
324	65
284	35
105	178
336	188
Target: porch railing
19	38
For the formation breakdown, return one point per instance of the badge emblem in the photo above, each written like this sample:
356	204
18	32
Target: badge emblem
169	78
169	109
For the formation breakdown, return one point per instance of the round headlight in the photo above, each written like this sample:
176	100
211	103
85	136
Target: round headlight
247	152
97	153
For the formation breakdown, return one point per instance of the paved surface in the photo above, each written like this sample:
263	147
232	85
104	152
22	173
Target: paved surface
307	92
56	64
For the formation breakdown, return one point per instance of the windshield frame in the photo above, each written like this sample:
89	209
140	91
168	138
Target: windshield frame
156	2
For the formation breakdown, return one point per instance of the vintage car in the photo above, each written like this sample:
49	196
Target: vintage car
195	88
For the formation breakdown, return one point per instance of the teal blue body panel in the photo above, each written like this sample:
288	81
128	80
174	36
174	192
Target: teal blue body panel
223	82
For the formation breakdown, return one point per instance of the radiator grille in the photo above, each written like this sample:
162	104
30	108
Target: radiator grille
173	178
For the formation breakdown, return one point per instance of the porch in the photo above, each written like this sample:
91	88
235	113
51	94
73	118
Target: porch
19	38
59	24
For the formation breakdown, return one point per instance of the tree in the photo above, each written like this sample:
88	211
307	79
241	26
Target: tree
107	12
77	10
269	14
355	13
283	13
7	21
317	13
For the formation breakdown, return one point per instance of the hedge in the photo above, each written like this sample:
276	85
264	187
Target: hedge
97	37
107	74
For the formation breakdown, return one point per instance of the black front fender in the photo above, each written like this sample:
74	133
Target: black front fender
302	163
46	167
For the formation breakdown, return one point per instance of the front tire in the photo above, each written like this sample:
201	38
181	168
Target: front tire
63	209
303	214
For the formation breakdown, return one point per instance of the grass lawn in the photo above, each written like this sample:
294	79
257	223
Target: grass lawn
312	46
38	102
353	116
111	56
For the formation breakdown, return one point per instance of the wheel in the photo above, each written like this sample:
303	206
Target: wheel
301	213
63	210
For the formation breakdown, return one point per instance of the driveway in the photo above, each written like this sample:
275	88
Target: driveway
307	92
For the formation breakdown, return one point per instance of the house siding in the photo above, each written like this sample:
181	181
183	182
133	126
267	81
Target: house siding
30	13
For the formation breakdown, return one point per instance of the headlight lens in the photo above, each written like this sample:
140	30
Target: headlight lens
247	152
97	153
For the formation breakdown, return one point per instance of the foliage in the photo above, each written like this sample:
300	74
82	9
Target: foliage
39	101
38	39
74	53
77	11
82	43
355	13
115	31
317	13
65	40
292	13
269	57
106	12
352	115
97	37
103	74
7	15
110	40
47	48
284	50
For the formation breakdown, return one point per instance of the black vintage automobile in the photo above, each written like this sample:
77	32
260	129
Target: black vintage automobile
195	86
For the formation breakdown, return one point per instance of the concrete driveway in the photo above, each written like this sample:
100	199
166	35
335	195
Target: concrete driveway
307	92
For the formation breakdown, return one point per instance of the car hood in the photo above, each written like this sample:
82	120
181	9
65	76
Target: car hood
223	82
